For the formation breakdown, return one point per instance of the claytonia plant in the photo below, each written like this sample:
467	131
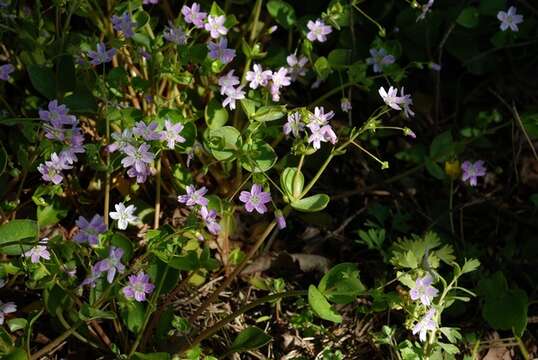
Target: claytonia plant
124	215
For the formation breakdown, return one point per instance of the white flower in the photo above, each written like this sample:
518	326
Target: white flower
124	215
227	82
318	30
509	19
391	97
258	77
232	95
279	79
406	102
425	10
296	65
215	26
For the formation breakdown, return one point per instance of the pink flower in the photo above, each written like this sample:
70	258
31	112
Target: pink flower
138	287
215	26
423	290
194	197
318	30
472	171
193	15
255	199
258	77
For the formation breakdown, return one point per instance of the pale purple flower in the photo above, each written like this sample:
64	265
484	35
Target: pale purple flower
92	278
425	10
102	55
147	132
210	220
124	24
215	26
279	79
425	324
406	102
74	147
90	230
6	308
51	170
232	95
509	19
391	97
319	117
141	176
321	134
258	77
345	104
121	140
38	252
255	199
175	34
227	82
57	115
193	196
294	125
272	29
170	134
280	220
150	2
112	264
408	132
472	171
219	50
138	287
435	66
318	30
379	59
124	215
137	157
424	290
193	15
296	65
5	71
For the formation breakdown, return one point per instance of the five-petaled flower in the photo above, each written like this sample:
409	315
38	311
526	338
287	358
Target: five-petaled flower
423	290
215	26
138	158
255	199
175	34
232	95
391	97
472	171
210	219
509	19
124	24
425	324
111	264
138	287
219	51
171	132
258	76
318	30
294	125
193	15
124	215
90	230
102	55
38	252
379	59
193	196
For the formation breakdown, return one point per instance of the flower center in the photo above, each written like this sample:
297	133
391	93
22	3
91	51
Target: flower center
254	199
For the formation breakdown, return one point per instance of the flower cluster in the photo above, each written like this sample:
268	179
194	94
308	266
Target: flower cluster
317	123
424	292
194	198
63	128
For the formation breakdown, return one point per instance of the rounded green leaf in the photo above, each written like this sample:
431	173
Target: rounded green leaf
223	143
342	283
292	182
282	12
258	157
321	306
215	115
312	203
18	236
468	17
269	113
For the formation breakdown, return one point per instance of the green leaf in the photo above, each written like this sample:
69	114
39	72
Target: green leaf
269	113
82	101
470	265
491	7
258	157
87	313
322	67
312	203
249	339
15	233
321	306
151	356
133	316
3	159
50	214
55	299
249	107
43	80
342	284
223	142
468	17
16	324
441	146
507	310
16	354
215	115
291	184
434	169
282	12
339	57
449	348
187	262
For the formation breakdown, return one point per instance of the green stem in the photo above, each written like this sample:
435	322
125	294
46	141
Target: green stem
157	194
382	31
